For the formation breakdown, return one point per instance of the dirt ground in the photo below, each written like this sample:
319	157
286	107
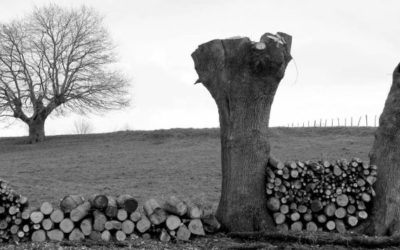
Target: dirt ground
155	164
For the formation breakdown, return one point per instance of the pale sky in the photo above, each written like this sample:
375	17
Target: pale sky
345	52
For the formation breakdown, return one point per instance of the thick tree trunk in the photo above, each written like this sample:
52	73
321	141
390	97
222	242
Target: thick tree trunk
242	77
36	129
385	153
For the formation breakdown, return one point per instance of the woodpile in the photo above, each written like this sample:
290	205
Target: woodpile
14	219
319	196
110	218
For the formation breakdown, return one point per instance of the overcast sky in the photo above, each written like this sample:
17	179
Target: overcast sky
344	54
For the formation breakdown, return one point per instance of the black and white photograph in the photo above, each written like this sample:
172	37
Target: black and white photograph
199	124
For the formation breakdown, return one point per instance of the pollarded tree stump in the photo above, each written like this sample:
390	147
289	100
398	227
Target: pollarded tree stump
385	153
242	77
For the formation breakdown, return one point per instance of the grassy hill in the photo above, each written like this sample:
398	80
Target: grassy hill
185	162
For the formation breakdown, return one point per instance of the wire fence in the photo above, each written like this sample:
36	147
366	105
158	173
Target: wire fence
362	121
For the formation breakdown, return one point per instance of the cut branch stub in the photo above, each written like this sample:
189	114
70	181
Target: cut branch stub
242	77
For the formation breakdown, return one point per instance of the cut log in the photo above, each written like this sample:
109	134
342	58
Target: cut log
340	227
122	214
158	217
371	180
297	226
151	206
95	235
135	216
193	211
128	226
57	215
70	202
316	206
120	236
164	236
106	235
112	207
302	209
38	236
311	227
342	200
279	218
352	221
330	225
36	217
55	235
86	226
362	215
284	209
211	224
127	202
274	162
173	222
295	216
78	213
14	229
76	235
46	208
143	224
196	227
146	236
366	197
307	216
337	171
99	221
351	209
99	201
330	210
273	204
183	233
340	213
175	206
47	224
66	225
321	218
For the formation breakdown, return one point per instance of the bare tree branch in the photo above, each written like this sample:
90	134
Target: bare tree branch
58	60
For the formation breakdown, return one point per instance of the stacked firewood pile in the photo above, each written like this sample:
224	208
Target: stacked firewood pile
317	196
108	218
13	224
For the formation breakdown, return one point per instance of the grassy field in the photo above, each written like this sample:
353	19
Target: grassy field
184	162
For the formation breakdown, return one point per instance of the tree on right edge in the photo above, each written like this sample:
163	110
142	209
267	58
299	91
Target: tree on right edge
385	153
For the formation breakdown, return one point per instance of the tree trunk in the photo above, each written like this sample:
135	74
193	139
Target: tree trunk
385	153
242	77
36	129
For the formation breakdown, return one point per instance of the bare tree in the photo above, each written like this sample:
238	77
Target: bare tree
82	127
58	60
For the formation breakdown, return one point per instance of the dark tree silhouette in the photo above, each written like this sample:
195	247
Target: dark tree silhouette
242	77
58	60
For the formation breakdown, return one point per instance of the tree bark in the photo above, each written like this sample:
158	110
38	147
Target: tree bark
385	153
36	129
242	77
